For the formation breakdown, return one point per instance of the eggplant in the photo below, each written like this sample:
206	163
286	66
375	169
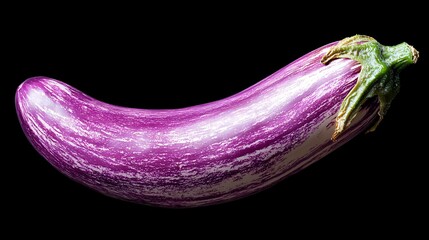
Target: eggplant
220	151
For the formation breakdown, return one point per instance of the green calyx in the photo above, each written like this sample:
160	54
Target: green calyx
379	76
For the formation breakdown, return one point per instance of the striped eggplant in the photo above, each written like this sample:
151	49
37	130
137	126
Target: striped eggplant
223	150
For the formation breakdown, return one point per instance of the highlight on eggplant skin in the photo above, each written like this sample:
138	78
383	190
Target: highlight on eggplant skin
200	155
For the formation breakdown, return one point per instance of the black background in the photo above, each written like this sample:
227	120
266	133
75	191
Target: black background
162	57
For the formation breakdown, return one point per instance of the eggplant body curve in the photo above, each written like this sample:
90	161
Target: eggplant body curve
200	155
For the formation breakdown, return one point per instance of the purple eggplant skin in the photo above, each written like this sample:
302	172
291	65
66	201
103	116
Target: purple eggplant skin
200	155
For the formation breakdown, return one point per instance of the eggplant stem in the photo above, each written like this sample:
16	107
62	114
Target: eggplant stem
379	76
